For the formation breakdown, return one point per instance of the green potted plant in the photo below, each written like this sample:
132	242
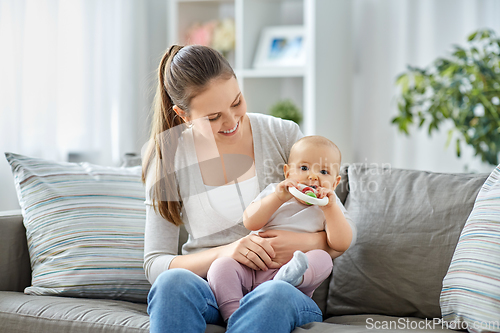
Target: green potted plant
286	109
463	89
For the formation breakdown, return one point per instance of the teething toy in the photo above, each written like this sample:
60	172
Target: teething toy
307	195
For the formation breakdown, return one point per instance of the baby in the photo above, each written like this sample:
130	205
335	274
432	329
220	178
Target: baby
314	161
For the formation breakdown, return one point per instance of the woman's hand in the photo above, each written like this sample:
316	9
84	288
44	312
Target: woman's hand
252	251
285	243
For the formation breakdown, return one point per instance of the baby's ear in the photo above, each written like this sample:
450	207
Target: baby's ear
337	181
286	170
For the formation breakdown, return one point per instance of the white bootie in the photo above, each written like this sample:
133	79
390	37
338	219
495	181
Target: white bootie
293	271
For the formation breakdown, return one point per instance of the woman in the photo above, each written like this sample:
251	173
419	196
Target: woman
222	157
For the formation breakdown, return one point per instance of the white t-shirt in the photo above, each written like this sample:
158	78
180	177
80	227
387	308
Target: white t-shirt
231	200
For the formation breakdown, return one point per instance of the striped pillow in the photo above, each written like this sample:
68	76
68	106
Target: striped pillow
470	297
85	228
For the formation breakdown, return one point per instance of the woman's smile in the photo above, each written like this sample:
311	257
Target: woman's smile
231	131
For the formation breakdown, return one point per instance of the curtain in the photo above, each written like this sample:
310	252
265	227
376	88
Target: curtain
387	36
76	79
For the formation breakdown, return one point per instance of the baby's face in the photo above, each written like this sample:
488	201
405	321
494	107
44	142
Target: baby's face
314	165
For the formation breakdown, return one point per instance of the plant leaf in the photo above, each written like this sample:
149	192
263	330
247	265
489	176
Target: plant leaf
472	36
449	91
448	140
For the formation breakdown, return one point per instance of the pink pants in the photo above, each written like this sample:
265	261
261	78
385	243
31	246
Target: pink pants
230	280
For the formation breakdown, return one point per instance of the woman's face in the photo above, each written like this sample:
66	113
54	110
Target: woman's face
219	111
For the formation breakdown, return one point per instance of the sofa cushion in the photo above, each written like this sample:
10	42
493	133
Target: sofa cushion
27	313
387	324
471	287
408	226
84	226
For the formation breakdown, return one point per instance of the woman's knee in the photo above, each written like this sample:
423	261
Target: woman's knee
283	300
173	276
180	296
174	283
274	291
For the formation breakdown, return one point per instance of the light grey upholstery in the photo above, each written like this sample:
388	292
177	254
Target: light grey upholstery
408	227
15	269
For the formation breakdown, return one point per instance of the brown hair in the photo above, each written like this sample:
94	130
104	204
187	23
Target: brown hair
184	72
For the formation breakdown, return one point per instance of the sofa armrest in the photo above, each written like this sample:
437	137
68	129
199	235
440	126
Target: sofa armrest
14	257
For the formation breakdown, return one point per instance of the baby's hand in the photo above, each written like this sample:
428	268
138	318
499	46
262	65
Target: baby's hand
324	192
282	189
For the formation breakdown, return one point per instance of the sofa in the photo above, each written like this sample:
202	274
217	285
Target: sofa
409	223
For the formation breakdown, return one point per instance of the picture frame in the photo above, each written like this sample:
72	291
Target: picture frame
281	46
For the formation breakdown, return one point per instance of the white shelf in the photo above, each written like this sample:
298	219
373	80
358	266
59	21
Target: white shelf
270	73
319	89
214	1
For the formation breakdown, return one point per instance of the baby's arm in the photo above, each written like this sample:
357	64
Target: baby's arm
338	231
258	213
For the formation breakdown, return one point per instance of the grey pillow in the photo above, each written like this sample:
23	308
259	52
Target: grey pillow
84	228
408	226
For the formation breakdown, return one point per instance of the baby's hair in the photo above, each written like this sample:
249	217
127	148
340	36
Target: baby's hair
318	140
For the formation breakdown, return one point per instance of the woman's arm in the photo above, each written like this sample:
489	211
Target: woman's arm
285	243
160	250
252	251
161	239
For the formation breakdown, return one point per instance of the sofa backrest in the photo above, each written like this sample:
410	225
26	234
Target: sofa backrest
408	225
15	269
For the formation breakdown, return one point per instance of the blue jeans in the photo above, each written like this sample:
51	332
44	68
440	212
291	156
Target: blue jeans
181	301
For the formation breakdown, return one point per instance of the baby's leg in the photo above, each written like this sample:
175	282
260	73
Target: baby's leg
263	276
320	267
229	281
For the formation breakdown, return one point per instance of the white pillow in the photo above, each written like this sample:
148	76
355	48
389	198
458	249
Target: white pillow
470	297
84	226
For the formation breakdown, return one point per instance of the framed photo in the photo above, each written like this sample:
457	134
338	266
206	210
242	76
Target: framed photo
281	46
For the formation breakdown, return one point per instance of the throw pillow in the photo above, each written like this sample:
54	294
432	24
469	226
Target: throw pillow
84	227
408	226
470	297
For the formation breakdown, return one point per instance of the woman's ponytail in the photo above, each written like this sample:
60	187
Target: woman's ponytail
183	73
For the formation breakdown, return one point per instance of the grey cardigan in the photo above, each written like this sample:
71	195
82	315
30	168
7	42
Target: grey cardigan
272	141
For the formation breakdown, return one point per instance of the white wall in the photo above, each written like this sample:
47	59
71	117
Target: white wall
388	35
334	64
